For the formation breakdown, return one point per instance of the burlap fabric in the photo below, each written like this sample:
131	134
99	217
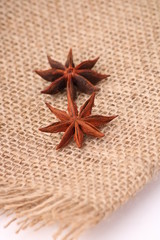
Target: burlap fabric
76	188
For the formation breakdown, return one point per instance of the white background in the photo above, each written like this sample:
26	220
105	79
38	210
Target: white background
139	219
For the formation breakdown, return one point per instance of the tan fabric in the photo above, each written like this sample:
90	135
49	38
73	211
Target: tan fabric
78	187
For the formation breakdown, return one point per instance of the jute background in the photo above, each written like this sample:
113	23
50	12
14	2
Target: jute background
76	188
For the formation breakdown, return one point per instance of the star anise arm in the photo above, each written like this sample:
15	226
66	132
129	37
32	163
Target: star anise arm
78	135
62	115
55	64
72	107
91	75
69	62
83	84
88	64
86	108
46	74
49	75
56	127
98	120
66	136
54	87
89	129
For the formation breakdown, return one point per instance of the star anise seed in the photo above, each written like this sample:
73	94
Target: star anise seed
76	124
81	76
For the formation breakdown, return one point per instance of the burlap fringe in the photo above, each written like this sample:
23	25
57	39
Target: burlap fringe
40	208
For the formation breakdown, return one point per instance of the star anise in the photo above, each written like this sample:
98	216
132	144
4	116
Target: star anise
80	76
76	124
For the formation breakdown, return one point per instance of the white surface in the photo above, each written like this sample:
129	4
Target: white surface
139	219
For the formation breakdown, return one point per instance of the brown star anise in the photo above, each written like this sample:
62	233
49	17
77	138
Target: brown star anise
76	124
81	76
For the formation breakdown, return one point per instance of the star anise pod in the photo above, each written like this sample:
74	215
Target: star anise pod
80	76
76	124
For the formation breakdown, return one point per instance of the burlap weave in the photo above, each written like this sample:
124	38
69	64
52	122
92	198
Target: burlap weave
78	187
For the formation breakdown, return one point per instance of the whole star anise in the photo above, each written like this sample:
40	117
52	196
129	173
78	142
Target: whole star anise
81	76
76	124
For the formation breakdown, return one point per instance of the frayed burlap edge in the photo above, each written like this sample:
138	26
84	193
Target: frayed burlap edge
38	208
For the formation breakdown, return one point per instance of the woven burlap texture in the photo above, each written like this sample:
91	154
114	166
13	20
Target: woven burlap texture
76	188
